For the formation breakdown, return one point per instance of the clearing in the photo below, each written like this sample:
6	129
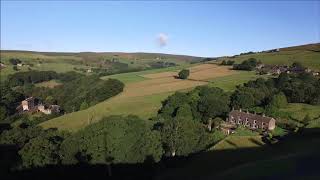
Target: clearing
49	84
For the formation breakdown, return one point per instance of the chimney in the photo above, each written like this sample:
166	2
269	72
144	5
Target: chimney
232	108
247	111
240	110
263	115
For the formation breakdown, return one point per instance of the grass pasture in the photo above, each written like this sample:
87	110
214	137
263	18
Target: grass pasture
234	142
308	55
143	106
230	82
298	111
250	160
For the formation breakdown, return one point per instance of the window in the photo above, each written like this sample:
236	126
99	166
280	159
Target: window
254	121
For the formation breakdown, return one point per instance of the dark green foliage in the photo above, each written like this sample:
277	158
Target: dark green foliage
84	105
161	64
42	150
15	68
75	91
272	94
171	105
3	112
9	100
247	65
21	78
14	61
242	98
199	104
89	89
213	102
19	135
297	65
227	63
307	119
182	137
279	101
115	139
300	88
184	74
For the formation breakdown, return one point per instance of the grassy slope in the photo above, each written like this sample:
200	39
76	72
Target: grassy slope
136	76
230	82
143	106
234	142
63	62
138	103
250	159
298	111
308	55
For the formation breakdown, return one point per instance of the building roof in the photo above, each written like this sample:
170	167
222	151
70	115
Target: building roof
244	115
29	99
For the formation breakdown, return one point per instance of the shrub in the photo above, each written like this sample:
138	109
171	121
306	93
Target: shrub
184	74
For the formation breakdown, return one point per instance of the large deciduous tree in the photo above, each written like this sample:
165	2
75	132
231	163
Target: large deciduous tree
115	139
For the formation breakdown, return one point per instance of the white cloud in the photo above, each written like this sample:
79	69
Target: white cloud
162	39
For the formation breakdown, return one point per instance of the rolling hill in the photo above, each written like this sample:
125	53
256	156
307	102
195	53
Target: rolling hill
308	55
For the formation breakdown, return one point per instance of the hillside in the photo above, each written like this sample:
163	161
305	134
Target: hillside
104	62
308	55
294	158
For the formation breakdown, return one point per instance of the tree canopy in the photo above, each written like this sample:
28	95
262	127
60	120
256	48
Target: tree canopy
184	74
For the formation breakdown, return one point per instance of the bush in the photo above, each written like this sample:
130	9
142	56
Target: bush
247	65
184	74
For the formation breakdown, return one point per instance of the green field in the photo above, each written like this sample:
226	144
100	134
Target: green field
230	82
64	62
298	111
234	142
251	159
136	76
308	55
142	106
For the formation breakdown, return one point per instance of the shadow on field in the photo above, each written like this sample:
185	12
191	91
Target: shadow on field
296	156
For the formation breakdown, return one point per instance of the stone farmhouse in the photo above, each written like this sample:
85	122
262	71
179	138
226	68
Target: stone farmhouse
30	105
48	109
251	121
278	69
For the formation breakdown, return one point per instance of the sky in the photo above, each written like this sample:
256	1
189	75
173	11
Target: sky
206	28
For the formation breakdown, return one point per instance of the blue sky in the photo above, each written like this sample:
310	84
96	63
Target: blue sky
193	28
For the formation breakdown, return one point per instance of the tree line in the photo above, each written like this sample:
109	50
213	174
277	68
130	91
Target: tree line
76	92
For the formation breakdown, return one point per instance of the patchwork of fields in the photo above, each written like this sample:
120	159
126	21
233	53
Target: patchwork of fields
142	98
